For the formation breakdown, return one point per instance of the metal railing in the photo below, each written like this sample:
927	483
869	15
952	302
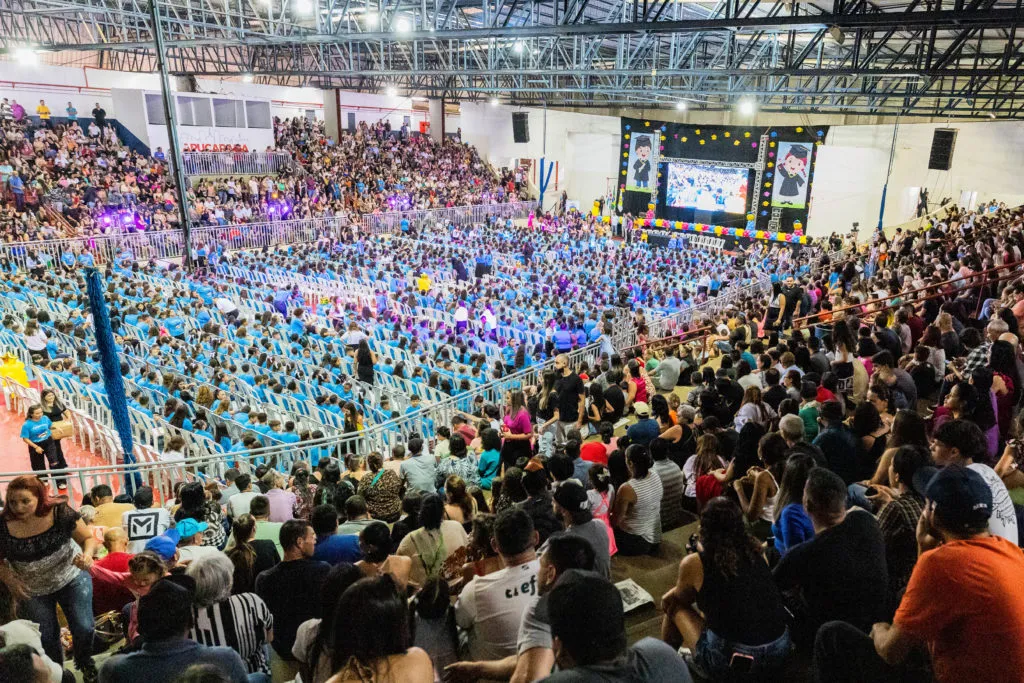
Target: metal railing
378	223
169	244
236	163
378	438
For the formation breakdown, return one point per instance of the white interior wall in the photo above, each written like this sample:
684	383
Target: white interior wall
85	86
371	108
851	168
584	145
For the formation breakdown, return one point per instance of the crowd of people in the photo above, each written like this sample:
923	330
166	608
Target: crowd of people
68	177
849	444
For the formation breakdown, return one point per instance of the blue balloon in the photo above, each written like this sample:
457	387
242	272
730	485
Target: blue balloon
764	213
820	133
627	127
768	174
774	134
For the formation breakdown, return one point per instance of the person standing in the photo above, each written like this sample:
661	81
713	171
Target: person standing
36	434
571	395
43	112
72	113
99	115
49	548
56	411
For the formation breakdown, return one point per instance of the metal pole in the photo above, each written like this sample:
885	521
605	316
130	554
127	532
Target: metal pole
171	119
888	172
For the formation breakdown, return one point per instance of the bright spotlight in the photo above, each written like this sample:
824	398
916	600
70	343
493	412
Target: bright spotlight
371	19
403	25
518	48
26	55
494	102
747	107
303	7
681	106
392	91
246	78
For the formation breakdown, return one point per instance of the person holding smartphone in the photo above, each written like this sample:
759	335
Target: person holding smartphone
743	629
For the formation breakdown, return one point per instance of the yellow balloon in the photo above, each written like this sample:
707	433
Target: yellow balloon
702	142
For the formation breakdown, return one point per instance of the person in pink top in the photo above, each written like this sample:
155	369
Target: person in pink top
282	502
516	430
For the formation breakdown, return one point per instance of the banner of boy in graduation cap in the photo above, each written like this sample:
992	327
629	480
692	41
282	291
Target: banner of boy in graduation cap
643	162
790	188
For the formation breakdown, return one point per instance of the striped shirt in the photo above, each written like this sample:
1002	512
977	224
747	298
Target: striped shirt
644	518
241	622
672	485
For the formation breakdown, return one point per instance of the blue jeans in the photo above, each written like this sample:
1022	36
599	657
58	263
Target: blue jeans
714	657
75	599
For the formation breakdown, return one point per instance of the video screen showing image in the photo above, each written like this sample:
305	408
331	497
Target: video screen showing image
707	188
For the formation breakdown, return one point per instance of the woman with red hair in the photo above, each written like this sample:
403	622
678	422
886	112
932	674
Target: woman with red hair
49	548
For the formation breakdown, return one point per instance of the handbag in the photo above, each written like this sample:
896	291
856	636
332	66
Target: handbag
61	429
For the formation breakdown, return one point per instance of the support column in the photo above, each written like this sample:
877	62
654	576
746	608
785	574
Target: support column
171	116
332	113
437	119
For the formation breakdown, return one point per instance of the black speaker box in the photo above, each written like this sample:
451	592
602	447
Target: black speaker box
520	126
943	141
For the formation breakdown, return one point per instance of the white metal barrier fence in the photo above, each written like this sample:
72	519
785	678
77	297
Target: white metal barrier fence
235	163
378	438
167	244
378	223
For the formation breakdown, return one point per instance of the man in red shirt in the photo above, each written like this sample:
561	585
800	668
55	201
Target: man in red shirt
115	540
964	601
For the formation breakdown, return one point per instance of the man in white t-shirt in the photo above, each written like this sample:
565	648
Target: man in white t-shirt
145	521
239	503
960	442
491	607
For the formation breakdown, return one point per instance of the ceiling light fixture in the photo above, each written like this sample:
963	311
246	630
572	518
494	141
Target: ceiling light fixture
495	102
303	7
518	48
681	106
246	78
747	107
391	91
26	55
403	25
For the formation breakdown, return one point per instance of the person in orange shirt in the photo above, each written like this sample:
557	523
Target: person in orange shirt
964	602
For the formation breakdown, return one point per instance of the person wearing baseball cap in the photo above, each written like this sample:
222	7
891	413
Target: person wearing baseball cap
165	545
963	603
165	617
190	545
572	506
646	428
